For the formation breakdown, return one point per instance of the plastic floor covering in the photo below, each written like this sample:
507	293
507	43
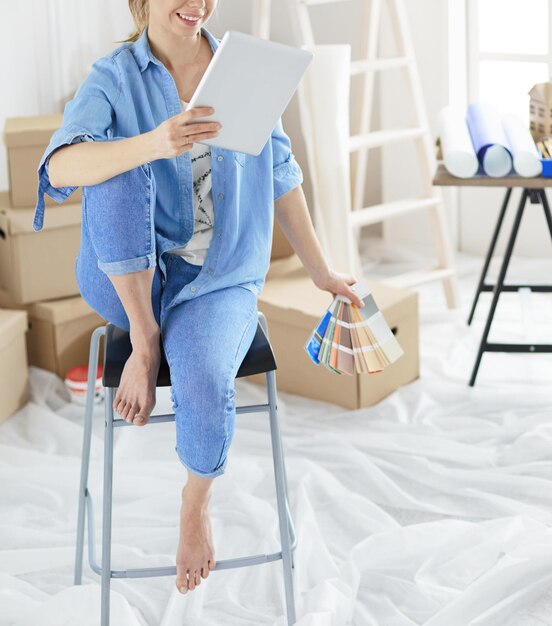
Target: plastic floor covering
433	507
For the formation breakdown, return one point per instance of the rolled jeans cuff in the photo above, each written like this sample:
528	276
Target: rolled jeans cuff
128	266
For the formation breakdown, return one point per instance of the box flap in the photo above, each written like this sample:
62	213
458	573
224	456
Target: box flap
31	131
60	310
290	294
12	323
21	220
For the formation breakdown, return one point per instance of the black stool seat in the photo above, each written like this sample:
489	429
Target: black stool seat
259	358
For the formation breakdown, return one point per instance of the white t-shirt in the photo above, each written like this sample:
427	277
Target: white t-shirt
195	250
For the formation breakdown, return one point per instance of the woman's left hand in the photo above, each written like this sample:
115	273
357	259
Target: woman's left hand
338	283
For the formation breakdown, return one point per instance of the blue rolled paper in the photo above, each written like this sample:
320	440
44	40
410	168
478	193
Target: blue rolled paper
489	139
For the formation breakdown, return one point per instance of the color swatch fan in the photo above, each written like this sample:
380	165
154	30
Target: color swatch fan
349	339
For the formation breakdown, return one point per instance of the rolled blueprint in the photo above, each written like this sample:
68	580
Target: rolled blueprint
527	160
456	145
489	139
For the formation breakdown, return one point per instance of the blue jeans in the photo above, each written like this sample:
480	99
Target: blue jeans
205	339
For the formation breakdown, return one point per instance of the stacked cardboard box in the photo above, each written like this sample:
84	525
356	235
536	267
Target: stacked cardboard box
14	378
37	269
26	139
58	334
293	306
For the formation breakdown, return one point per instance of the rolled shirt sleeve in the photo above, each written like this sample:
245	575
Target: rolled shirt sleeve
87	117
287	172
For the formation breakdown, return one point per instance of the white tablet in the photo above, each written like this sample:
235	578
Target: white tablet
249	82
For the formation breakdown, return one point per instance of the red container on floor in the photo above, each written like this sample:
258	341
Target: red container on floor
76	382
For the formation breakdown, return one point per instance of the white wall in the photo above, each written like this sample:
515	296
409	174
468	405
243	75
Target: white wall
47	47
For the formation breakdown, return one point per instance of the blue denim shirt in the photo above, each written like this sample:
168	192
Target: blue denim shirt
129	92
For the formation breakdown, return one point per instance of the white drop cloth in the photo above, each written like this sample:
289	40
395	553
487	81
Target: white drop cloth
433	507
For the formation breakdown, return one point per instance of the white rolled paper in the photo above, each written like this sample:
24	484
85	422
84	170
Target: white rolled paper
527	160
489	139
456	145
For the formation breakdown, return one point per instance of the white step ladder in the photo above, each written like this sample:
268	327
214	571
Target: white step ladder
365	139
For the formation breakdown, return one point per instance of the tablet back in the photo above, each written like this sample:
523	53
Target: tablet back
249	82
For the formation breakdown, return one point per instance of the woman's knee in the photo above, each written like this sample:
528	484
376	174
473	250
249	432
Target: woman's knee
119	215
205	419
207	462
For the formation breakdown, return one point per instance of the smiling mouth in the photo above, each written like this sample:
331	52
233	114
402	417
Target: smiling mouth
190	19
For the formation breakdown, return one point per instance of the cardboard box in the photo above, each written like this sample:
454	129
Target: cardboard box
14	372
293	306
59	331
26	138
540	111
280	245
39	265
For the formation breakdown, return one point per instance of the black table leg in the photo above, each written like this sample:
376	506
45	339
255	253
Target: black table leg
544	202
500	283
490	252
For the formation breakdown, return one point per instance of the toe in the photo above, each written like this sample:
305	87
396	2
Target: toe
139	419
181	578
118	406
126	410
191	581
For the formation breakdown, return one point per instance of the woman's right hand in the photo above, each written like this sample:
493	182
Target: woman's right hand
176	135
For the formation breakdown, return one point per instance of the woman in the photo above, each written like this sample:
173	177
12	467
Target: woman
176	238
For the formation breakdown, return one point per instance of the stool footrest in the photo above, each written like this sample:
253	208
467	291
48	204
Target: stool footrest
150	572
169	417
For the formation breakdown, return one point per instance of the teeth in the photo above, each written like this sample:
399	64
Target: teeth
188	17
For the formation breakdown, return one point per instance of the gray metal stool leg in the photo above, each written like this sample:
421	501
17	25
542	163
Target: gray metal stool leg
107	504
283	517
272	400
85	461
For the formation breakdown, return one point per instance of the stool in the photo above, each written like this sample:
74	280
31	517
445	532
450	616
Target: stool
117	349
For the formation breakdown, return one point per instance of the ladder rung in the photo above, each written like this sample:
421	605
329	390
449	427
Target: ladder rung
380	212
362	66
383	137
419	277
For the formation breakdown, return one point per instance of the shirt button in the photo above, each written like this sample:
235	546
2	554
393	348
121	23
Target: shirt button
218	235
220	157
193	289
220	196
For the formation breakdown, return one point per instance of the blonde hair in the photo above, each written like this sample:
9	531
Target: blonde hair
140	15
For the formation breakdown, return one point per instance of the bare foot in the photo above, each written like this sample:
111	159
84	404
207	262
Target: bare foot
195	556
135	397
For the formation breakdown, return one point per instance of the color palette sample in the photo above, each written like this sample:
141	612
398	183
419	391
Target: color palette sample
349	339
